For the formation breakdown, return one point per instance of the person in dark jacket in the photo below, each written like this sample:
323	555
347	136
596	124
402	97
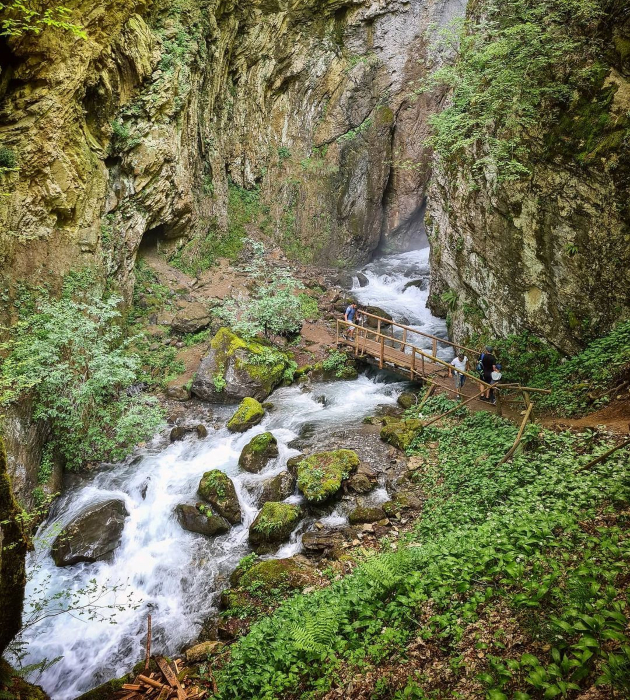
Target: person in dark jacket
488	366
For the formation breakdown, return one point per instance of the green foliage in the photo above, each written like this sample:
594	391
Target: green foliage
191	339
450	298
517	535
18	17
202	254
46	466
70	357
8	159
337	362
520	64
219	383
353	133
309	307
283	153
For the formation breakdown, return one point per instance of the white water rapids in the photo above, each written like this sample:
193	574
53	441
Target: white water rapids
177	574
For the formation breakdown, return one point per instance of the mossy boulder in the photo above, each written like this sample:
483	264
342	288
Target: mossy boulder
247	415
278	573
201	519
218	490
320	476
403	500
402	433
277	488
407	399
363	514
274	524
233	370
258	452
360	483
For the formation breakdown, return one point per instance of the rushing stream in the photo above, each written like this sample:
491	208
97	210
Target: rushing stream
174	573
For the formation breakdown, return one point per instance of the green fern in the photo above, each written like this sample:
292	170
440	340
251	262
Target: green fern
317	632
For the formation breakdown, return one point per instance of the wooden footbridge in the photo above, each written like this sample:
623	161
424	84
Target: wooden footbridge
396	347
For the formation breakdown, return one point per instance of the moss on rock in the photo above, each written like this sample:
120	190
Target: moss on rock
274	524
247	415
277	488
402	433
363	514
275	573
217	489
258	452
320	476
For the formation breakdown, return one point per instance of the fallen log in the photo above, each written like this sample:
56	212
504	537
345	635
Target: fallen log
149	681
512	449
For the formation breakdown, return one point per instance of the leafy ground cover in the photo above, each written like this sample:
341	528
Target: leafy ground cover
513	583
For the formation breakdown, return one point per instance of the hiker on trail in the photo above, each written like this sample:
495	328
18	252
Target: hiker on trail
495	379
350	314
459	363
488	365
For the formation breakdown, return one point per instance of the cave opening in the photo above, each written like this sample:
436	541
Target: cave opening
152	240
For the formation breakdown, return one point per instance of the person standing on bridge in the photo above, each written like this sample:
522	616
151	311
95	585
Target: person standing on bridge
459	363
488	364
350	314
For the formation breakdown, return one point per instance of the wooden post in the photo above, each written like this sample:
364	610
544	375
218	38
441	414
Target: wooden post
356	340
378	326
380	364
147	657
497	396
434	347
423	372
413	360
512	449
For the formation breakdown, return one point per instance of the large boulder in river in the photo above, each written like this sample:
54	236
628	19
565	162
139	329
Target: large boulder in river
277	488
320	476
258	452
235	368
218	490
247	415
273	525
92	535
201	519
377	311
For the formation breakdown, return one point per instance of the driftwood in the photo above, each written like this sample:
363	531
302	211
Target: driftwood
147	657
605	456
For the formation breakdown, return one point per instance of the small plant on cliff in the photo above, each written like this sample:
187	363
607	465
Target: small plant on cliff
70	358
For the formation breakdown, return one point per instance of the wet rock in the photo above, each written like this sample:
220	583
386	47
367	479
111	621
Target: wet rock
274	524
201	430
92	535
192	317
363	514
274	573
247	415
258	452
320	541
292	464
218	490
178	433
227	374
403	500
400	434
277	488
360	483
201	652
343	280
178	392
320	476
363	280
419	284
377	311
201	519
407	399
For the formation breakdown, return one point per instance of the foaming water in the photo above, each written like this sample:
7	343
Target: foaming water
176	575
388	288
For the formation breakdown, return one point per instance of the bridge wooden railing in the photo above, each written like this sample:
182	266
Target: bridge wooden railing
419	363
384	322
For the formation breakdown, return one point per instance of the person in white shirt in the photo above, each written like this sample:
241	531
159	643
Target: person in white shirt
459	363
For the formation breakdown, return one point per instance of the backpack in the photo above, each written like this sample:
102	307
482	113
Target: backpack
480	363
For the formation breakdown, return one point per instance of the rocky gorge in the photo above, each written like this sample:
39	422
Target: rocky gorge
175	178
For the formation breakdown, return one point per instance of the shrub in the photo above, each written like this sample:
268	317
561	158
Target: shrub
8	160
70	357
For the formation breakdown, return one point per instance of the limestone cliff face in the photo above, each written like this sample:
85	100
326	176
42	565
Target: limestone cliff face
136	132
550	253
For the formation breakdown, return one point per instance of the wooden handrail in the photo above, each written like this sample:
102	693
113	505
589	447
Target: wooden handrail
416	331
381	338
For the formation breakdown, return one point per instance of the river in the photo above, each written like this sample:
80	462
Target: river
175	574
